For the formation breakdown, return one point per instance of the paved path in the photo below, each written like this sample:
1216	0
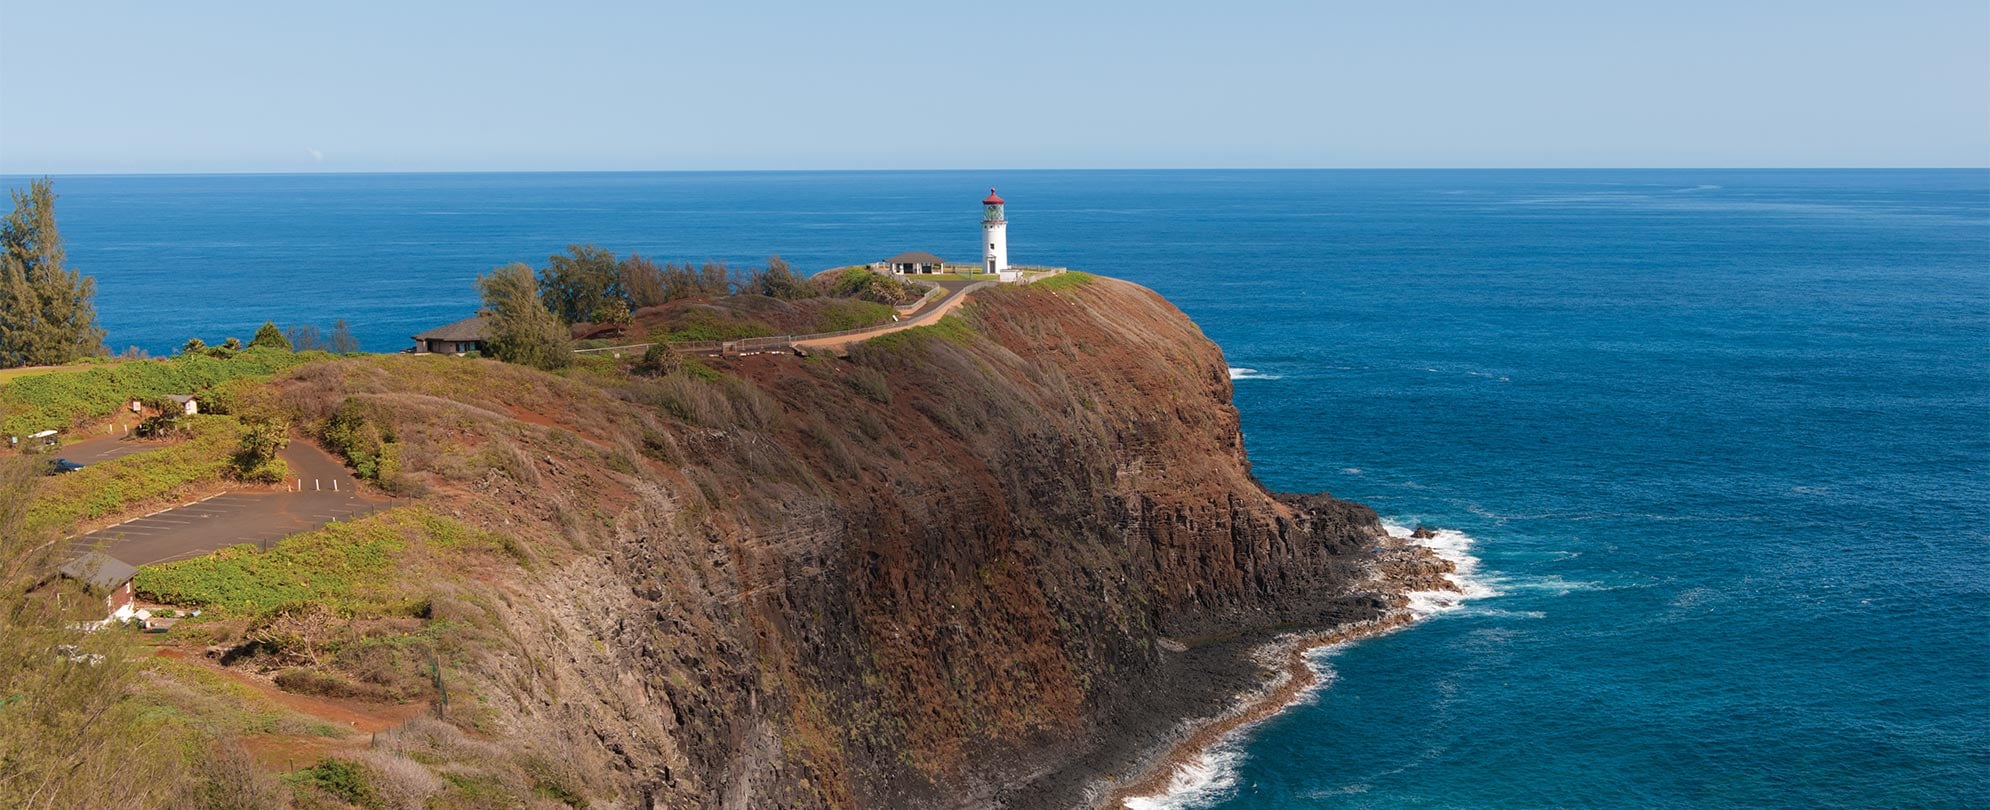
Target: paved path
956	295
232	518
104	448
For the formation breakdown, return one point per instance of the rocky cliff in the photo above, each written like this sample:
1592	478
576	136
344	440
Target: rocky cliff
983	563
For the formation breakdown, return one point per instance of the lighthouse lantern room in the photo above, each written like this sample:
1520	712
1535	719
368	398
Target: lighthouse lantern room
995	239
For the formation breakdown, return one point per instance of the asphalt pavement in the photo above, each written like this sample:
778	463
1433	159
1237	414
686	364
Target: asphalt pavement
258	518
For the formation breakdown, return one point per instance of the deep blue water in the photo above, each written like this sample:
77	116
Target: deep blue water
1722	438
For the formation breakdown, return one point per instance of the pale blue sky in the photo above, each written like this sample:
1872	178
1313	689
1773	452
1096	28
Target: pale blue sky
214	85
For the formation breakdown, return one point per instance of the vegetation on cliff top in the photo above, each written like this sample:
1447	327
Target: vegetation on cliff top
46	316
62	399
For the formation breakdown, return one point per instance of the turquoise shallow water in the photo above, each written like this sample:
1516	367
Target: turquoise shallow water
1720	439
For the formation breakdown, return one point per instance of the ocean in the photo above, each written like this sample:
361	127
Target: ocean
1715	444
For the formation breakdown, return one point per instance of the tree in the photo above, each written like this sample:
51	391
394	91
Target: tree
194	346
268	336
642	282
46	316
660	360
575	285
70	733
522	329
342	340
257	458
714	279
615	312
781	281
711	280
304	337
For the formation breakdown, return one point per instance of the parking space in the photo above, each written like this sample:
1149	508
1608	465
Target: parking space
235	518
197	528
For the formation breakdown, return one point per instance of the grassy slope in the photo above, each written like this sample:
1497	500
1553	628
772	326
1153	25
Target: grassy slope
60	399
359	568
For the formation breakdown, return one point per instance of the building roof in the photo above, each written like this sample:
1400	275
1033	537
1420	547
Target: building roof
180	398
476	328
992	198
99	571
915	257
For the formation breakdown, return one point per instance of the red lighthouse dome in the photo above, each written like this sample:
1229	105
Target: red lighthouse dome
992	199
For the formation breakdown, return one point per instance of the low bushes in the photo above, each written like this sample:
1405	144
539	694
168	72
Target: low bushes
350	568
361	432
60	399
344	779
863	283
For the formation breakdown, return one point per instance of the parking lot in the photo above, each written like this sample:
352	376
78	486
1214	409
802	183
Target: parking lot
224	520
233	518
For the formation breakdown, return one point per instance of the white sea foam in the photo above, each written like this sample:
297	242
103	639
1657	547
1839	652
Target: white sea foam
1250	374
1454	547
1212	774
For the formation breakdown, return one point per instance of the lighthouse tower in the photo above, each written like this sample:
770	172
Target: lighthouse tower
995	239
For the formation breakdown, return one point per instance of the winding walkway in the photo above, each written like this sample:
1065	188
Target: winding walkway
956	295
956	289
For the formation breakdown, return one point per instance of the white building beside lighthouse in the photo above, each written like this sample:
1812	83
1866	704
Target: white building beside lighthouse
995	239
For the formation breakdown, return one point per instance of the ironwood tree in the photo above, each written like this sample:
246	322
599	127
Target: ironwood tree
522	329
46	314
577	284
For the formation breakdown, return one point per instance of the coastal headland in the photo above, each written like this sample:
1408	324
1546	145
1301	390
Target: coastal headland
1012	556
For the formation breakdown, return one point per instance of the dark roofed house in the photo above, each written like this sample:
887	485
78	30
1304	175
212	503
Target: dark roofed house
918	262
107	575
462	337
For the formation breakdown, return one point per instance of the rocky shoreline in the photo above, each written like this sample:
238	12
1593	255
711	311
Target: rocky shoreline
1401	567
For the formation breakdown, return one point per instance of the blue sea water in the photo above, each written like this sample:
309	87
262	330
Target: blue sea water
1720	439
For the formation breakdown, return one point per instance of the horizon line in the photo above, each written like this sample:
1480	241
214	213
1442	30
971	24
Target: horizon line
308	173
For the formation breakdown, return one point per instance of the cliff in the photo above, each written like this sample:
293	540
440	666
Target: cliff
980	563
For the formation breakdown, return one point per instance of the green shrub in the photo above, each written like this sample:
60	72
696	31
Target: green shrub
263	437
361	432
660	360
269	337
342	778
863	283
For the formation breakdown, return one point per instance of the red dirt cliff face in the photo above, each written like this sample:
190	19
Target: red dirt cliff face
949	570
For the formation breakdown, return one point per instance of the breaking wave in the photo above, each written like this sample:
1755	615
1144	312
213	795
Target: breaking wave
1212	774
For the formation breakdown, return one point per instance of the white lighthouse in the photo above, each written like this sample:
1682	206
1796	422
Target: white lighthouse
995	239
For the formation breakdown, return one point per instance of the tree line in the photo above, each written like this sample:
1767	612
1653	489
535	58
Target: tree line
532	311
298	338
